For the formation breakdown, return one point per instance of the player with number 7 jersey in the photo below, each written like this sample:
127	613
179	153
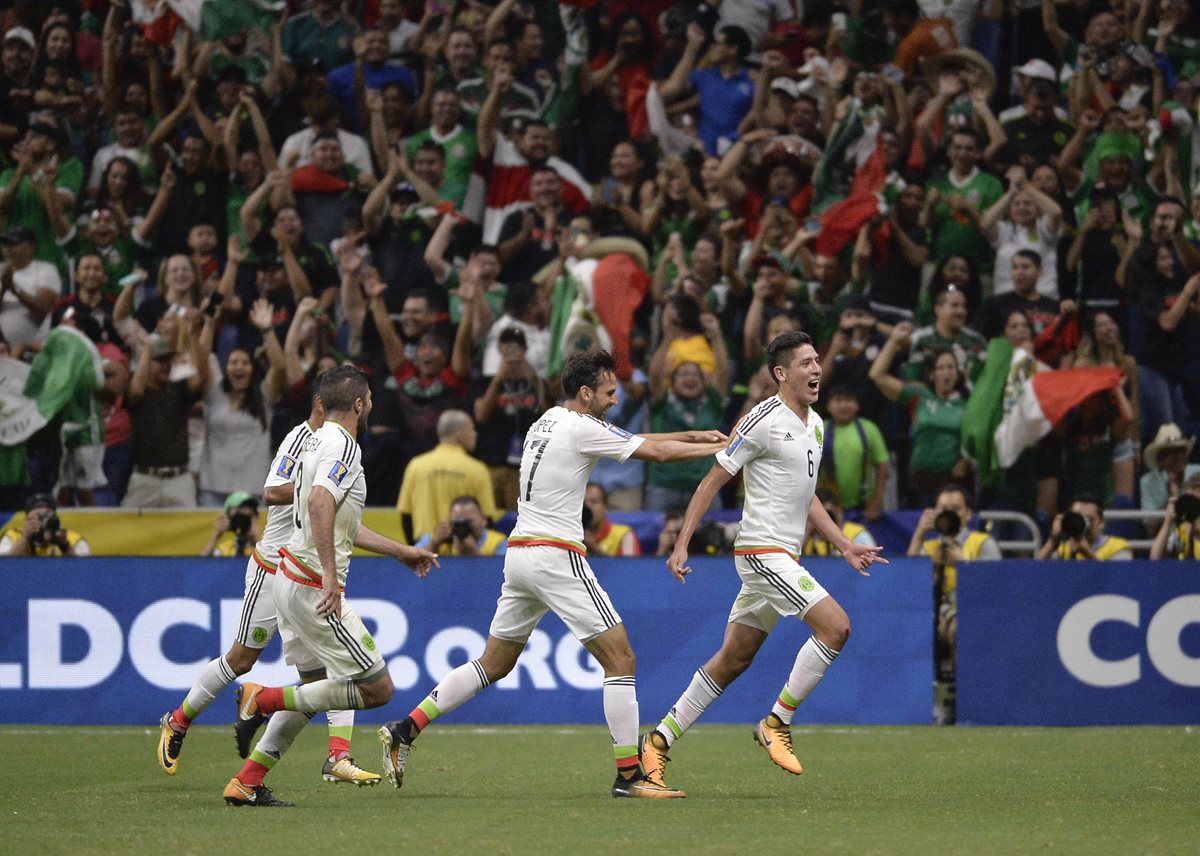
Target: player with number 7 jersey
546	567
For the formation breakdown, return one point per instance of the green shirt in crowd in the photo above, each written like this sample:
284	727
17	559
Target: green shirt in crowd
936	428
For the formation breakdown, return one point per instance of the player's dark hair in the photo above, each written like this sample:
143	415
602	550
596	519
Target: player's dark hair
739	39
430	146
586	368
1091	499
779	352
1033	255
955	487
338	388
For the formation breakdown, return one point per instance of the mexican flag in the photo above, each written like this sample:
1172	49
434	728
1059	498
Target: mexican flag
1017	401
842	220
61	382
212	20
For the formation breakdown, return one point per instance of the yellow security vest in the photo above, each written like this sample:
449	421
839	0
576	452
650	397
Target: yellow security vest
14	535
970	551
1109	547
818	546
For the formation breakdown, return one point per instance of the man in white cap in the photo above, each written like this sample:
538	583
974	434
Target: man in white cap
1167	468
16	87
1023	75
1040	132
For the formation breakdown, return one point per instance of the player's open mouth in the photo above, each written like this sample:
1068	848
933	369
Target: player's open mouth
814	386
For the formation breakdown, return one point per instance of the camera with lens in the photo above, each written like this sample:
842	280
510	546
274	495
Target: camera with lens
709	539
1187	508
587	517
1074	525
460	528
947	523
50	526
239	524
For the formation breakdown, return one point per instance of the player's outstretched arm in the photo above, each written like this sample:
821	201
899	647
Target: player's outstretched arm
717	477
858	556
280	494
421	561
690	436
668	451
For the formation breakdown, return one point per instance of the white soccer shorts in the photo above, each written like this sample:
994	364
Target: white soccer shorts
257	623
340	645
773	584
538	579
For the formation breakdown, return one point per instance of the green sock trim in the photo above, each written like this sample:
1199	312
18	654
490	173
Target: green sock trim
289	698
620	752
188	710
787	698
430	709
345	732
266	760
671	724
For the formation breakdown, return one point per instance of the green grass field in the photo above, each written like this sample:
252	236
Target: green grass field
545	790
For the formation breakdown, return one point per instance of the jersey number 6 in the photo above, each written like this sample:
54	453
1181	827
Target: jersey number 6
811	472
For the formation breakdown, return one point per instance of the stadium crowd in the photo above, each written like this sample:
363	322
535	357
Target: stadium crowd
205	203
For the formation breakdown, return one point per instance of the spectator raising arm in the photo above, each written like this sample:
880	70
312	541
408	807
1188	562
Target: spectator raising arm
678	83
880	373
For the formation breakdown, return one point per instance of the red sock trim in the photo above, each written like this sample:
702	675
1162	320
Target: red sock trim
627	763
339	747
785	705
252	774
419	718
180	718
270	699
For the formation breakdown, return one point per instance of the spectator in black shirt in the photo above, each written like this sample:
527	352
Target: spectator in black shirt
506	404
527	238
159	409
89	298
1039	135
198	197
1040	310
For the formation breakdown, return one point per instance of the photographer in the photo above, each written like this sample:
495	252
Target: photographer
465	533
236	529
601	536
42	533
1177	538
1079	534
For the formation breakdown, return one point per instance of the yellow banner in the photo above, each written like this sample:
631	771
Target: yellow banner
117	532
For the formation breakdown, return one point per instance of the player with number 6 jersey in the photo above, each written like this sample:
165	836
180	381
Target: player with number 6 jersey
777	446
546	567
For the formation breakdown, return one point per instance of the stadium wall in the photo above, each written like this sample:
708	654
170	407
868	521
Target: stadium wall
118	641
1079	643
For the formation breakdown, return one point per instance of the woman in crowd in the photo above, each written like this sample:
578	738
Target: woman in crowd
936	410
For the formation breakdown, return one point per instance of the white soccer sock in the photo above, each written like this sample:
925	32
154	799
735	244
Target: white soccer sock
701	692
455	690
329	694
621	714
214	677
282	728
812	661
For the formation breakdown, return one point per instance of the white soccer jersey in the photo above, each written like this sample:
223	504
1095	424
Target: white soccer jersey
280	524
331	459
561	449
781	456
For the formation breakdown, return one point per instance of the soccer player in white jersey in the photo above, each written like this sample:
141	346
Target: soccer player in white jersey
778	445
257	626
321	632
546	568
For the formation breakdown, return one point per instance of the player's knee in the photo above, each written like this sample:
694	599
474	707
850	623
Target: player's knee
241	659
377	693
838	633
